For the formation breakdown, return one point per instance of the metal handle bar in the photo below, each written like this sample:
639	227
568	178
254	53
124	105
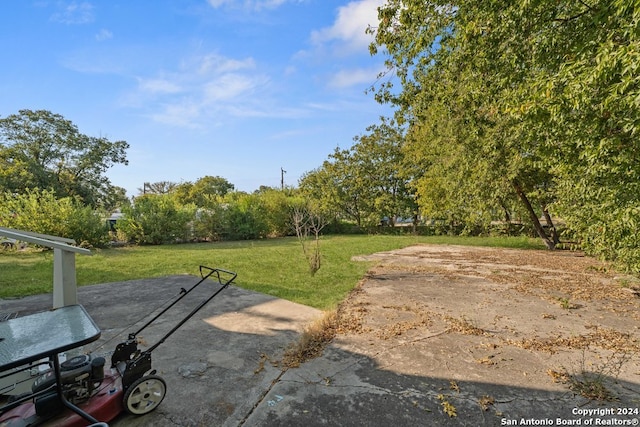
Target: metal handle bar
218	271
224	284
184	292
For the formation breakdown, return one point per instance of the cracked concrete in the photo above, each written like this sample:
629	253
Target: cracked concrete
440	335
434	335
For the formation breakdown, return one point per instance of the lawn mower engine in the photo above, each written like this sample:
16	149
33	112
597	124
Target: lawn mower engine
80	377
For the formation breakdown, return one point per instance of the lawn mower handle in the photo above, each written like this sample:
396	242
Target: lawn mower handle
218	270
212	271
184	292
133	364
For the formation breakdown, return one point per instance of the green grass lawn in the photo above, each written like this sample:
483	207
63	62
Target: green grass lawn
274	266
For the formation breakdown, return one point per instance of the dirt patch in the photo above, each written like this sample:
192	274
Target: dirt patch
500	316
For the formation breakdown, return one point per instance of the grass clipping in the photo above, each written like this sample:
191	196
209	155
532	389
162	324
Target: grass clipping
312	342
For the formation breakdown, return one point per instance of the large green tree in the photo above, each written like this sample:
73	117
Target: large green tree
537	100
364	183
43	150
339	188
204	192
377	158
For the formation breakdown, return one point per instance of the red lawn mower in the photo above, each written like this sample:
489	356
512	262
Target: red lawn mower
86	390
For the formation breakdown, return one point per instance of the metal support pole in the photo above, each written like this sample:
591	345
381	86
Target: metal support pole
64	262
64	278
282	172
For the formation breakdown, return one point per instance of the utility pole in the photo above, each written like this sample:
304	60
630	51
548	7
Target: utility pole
282	172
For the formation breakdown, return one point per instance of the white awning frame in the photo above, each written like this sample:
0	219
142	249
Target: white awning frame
64	262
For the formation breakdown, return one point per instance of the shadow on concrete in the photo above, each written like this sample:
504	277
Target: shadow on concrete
346	389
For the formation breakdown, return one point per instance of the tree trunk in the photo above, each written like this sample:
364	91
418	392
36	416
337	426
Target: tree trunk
554	232
507	215
532	215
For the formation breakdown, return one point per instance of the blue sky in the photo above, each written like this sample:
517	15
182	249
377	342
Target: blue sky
231	88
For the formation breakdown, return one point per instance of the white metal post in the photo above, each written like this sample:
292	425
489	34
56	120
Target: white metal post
64	278
64	262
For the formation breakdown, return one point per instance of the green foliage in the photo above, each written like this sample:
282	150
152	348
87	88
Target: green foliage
364	183
244	218
243	223
536	102
209	223
324	186
114	198
309	222
155	219
166	218
42	150
205	192
278	208
41	212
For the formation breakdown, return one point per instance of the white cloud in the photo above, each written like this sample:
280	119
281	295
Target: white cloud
251	4
353	77
214	63
217	3
159	86
345	44
229	87
74	13
103	35
182	114
270	4
204	88
350	26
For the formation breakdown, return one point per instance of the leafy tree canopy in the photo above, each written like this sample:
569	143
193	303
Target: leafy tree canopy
530	100
364	183
43	150
204	191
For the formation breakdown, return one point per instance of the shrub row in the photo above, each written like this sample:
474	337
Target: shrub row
151	219
40	211
158	219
